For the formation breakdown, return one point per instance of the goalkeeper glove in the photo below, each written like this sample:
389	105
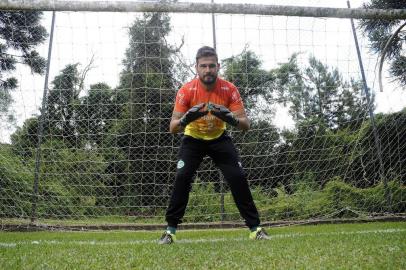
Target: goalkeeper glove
192	114
224	114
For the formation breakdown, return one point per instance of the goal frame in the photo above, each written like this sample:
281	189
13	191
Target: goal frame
229	8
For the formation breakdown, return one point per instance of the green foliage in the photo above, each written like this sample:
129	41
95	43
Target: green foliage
146	92
336	199
318	94
62	105
244	70
20	33
71	180
365	168
203	204
147	61
16	182
265	138
96	113
379	31
24	140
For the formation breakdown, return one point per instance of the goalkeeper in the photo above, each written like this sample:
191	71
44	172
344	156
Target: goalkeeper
202	108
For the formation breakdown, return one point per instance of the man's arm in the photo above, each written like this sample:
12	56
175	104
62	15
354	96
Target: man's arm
174	125
243	121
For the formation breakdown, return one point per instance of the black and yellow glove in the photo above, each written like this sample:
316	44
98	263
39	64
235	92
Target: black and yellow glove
192	114
224	114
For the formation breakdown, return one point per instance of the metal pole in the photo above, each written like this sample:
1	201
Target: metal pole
371	114
41	125
222	208
213	23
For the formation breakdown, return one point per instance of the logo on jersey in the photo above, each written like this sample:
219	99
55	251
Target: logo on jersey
181	164
181	98
235	97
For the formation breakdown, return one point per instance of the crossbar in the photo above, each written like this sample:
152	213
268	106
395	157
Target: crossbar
132	6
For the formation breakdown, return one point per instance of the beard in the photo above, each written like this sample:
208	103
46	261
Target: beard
208	79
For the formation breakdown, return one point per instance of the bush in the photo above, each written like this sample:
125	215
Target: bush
336	199
204	204
16	182
71	181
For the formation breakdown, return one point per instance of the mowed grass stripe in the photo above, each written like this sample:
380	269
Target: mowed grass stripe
330	246
201	240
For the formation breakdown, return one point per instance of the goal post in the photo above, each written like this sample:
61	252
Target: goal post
99	152
229	8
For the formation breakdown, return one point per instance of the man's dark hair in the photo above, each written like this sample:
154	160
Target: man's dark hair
206	51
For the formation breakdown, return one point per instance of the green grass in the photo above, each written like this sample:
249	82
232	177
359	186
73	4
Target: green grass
341	246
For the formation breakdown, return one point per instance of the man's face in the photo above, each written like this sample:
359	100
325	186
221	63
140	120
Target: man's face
207	69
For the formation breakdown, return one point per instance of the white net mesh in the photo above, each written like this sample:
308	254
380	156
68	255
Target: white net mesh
106	155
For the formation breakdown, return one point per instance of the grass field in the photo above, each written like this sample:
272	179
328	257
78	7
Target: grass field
342	246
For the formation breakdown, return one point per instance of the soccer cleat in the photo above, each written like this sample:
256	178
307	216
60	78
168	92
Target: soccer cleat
259	234
167	238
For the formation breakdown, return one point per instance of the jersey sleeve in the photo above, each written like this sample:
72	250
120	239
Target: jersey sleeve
236	103
181	101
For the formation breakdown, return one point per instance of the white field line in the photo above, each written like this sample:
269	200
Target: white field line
202	240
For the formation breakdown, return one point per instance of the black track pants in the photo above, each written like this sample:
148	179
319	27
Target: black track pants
223	152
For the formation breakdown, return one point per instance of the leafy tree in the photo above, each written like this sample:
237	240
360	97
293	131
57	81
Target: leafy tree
365	167
327	110
257	146
25	139
20	33
72	180
258	149
318	91
70	118
62	104
245	72
96	112
320	101
379	32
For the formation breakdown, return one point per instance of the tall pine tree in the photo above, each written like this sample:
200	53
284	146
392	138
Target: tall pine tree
146	93
20	33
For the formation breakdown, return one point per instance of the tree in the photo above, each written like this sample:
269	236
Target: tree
365	167
25	138
319	92
96	112
20	33
327	109
63	100
258	145
245	71
146	93
379	32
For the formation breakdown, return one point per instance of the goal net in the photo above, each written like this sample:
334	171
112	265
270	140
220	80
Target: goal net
93	146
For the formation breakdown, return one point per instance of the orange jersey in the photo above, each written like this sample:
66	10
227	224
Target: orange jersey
208	127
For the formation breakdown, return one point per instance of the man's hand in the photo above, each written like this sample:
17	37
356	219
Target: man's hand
224	114
192	114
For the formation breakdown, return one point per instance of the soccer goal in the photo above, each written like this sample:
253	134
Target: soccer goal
88	88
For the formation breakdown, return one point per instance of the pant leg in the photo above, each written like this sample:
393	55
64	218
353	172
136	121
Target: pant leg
190	156
225	156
